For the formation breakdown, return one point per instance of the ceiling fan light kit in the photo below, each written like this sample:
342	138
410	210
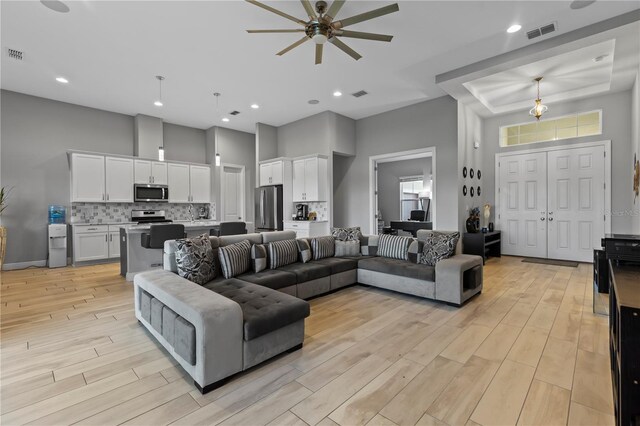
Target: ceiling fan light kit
321	27
539	108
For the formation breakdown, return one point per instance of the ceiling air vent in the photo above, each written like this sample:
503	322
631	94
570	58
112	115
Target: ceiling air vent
359	94
234	113
540	31
14	54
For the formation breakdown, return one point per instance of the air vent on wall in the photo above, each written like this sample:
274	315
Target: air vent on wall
234	113
359	94
14	54
542	30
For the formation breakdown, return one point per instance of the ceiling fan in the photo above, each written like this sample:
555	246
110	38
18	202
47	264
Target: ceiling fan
322	28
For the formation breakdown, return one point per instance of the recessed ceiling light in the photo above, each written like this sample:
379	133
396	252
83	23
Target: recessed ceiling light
62	80
255	106
599	58
55	5
313	102
337	93
514	28
225	119
158	103
580	4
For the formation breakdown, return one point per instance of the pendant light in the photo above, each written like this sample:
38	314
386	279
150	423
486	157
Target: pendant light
160	153
159	103
217	95
538	108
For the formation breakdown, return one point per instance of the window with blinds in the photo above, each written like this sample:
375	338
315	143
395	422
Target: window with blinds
569	126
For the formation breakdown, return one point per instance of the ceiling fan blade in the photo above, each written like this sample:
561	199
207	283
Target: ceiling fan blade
364	36
334	9
277	12
366	16
309	9
346	49
275	31
296	44
319	53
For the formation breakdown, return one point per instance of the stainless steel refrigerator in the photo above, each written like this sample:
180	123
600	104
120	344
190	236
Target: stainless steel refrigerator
269	208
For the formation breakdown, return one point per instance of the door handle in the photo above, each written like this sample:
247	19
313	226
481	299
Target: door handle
106	238
550	219
542	219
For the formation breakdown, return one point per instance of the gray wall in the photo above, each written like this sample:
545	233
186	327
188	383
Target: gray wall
310	135
341	165
635	147
389	175
469	131
184	143
266	145
36	134
616	127
427	124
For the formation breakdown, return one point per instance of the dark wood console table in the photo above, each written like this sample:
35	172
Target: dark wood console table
483	244
412	226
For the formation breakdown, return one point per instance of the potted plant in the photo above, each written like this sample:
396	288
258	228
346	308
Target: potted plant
4	194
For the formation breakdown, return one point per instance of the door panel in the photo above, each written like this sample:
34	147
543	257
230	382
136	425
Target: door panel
523	199
159	173
119	180
232	194
142	171
178	178
200	181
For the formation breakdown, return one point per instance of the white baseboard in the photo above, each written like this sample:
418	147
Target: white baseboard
23	265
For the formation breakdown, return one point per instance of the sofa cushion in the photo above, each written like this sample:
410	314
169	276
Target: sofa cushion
401	268
338	264
195	259
346	234
414	253
271	278
307	271
369	245
347	248
323	247
304	249
235	259
263	310
259	257
438	246
394	246
282	253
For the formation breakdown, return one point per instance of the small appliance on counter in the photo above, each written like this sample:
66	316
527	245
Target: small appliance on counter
302	212
149	216
203	212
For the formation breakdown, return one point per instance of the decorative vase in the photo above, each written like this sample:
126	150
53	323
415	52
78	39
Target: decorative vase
472	224
3	244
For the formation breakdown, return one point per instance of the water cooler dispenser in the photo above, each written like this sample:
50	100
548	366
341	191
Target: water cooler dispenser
57	237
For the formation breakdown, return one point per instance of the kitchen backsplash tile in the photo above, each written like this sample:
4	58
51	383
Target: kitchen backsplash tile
121	212
320	207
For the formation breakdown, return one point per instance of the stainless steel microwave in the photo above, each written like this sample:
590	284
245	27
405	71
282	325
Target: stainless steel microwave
143	192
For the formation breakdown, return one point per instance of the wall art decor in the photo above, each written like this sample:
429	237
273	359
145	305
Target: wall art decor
479	174
478	191
471	173
636	177
464	172
471	191
464	190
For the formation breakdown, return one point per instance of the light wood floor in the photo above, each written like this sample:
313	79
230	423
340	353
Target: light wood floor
527	351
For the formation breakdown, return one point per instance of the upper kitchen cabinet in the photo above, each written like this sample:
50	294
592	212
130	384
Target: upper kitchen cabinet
189	183
272	173
87	178
310	179
152	172
119	180
200	182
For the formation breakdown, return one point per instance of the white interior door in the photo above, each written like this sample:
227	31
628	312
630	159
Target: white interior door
232	181
576	202
523	204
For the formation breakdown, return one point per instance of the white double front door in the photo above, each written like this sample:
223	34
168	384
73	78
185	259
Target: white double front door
552	203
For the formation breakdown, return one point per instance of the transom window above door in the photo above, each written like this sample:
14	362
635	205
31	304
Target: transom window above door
568	126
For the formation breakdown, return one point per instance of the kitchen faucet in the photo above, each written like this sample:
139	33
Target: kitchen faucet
191	212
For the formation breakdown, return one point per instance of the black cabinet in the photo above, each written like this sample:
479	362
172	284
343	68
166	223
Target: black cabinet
485	244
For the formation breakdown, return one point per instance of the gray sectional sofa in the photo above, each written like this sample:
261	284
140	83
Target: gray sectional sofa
229	325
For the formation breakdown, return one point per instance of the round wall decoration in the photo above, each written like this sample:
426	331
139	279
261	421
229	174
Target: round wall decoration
479	174
471	173
471	191
478	192
464	172
464	190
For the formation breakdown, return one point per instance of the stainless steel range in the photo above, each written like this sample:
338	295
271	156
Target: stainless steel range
149	216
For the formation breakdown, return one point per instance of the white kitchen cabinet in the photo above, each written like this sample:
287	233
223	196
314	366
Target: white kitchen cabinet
119	180
87	178
272	173
310	179
178	181
200	184
114	242
90	242
307	229
152	172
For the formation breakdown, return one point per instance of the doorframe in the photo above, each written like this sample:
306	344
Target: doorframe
242	185
607	174
399	156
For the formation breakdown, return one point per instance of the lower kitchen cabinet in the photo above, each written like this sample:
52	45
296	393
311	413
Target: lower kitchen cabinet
307	229
95	242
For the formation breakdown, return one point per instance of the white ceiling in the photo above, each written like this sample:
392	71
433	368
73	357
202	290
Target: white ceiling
111	51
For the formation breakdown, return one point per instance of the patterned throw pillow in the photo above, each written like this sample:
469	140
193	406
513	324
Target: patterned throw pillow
258	257
282	253
304	249
323	247
415	251
235	258
346	234
394	246
347	248
438	246
369	245
195	259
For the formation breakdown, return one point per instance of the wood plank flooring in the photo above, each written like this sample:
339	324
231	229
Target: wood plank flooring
527	351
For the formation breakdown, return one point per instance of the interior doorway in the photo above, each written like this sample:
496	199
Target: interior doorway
374	184
232	191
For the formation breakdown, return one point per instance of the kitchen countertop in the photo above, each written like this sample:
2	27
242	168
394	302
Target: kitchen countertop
305	221
101	223
196	224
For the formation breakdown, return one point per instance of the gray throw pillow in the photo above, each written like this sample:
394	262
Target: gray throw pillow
304	249
322	247
195	259
347	248
258	258
369	245
346	234
438	246
235	259
282	253
394	246
415	251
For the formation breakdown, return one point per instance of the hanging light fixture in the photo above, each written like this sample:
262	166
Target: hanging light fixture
159	103
160	153
217	95
539	108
